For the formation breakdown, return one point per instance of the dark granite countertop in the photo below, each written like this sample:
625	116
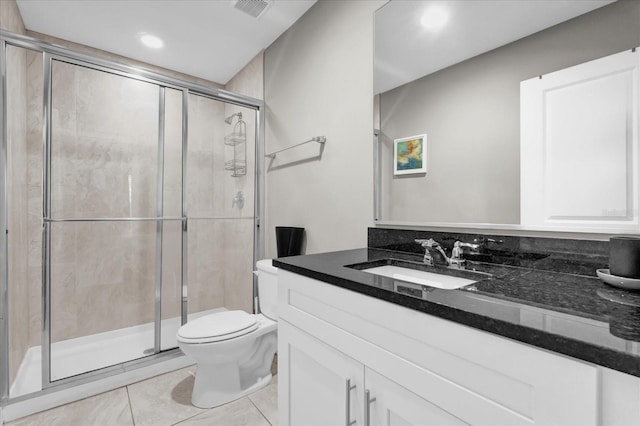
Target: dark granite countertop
575	315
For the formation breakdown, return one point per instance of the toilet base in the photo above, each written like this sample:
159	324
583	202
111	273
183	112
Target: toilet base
206	396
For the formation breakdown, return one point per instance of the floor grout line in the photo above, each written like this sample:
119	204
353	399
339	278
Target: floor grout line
133	420
186	418
259	410
206	410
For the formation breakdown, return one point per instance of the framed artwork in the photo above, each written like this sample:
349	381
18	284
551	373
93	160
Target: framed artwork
410	155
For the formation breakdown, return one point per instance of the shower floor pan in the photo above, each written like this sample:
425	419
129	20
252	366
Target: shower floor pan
88	353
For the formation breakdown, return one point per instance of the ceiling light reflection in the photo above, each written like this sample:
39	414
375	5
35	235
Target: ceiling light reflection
434	18
150	40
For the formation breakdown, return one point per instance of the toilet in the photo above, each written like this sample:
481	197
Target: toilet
233	349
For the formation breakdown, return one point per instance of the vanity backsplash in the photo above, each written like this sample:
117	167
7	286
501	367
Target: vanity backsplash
580	257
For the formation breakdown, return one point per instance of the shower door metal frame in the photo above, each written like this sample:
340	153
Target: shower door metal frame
159	224
4	243
50	53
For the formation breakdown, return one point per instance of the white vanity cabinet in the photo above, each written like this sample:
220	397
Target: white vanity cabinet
327	387
347	358
392	404
323	384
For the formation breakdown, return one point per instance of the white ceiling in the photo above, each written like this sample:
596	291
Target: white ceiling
212	40
405	51
204	38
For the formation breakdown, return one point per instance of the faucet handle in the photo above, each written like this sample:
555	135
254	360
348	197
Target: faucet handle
427	243
428	260
458	247
472	247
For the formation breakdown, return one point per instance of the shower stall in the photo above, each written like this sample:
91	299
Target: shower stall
123	218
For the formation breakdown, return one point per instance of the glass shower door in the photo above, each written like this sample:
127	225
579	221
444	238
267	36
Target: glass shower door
103	228
220	202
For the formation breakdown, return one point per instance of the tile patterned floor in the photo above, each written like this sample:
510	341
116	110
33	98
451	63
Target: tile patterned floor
160	401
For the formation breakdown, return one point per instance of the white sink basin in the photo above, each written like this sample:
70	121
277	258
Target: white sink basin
430	279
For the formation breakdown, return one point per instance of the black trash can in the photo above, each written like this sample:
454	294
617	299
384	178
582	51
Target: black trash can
289	240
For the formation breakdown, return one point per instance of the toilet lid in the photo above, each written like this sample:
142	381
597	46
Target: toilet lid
219	326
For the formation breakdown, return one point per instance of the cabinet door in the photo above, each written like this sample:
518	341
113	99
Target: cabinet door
314	379
395	405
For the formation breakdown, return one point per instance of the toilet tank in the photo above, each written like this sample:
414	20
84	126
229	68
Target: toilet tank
268	288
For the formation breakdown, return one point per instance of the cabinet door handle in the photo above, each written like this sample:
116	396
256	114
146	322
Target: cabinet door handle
367	407
349	388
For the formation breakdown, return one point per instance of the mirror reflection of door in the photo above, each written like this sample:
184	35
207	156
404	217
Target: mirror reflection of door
579	145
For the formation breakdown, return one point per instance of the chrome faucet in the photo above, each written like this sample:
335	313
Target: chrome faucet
427	259
430	245
455	261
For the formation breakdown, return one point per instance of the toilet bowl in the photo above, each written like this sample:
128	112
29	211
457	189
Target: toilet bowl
233	349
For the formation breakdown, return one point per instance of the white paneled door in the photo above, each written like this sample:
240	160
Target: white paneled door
579	146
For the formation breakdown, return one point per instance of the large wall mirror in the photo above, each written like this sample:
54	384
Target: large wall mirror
452	70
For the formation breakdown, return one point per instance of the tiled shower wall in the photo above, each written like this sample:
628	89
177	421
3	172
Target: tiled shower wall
34	185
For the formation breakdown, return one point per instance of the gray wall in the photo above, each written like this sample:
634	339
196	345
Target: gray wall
319	81
470	112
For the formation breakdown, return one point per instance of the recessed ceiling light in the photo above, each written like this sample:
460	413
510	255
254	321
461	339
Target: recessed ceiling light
434	18
150	40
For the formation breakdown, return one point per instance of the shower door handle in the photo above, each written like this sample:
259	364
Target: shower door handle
348	388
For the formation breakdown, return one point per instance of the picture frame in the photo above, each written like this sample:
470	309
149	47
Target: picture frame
410	155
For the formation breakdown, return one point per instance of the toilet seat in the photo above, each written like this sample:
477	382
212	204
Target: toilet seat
217	327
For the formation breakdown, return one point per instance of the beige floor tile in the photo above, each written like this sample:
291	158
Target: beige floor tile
163	400
237	413
110	408
266	399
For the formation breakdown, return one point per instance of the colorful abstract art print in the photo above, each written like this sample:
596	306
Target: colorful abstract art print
410	155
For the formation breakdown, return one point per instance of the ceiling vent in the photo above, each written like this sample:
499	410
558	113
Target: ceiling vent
254	8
